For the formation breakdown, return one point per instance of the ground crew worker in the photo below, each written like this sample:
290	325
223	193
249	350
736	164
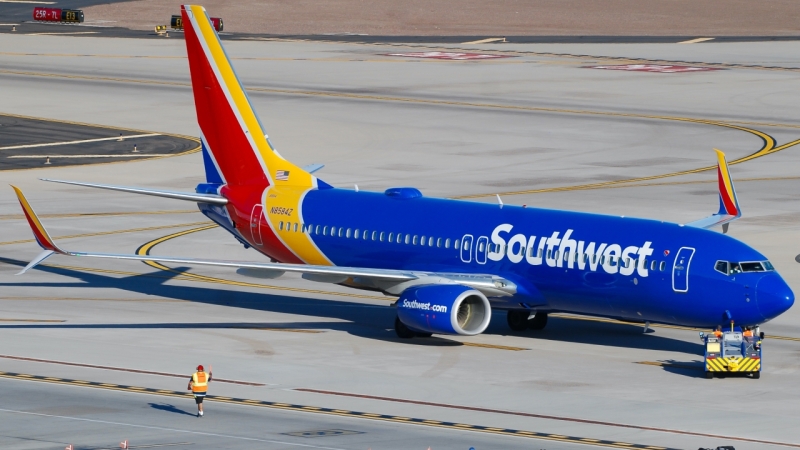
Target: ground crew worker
718	331
198	384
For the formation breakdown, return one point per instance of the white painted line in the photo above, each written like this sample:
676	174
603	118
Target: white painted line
132	155
695	41
51	144
8	24
64	32
174	430
485	41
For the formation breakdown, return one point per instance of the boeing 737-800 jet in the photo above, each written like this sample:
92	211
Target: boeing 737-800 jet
451	263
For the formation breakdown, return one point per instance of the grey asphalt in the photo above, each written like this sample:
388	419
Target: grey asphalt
535	121
21	139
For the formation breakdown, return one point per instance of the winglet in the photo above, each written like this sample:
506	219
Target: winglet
728	203
44	239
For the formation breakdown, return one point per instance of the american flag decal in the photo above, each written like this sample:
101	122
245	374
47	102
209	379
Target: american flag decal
282	175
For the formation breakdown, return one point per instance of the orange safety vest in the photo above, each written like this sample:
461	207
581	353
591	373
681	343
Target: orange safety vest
200	382
748	333
718	334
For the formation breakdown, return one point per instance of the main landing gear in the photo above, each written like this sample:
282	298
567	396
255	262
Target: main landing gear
403	332
520	320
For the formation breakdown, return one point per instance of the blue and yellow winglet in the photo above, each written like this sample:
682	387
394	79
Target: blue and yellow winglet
728	202
42	237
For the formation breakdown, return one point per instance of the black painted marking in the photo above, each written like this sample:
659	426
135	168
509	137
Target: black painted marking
322	433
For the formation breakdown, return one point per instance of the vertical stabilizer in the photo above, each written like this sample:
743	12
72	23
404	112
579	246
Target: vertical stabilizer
232	132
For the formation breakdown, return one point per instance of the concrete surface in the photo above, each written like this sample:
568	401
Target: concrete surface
528	123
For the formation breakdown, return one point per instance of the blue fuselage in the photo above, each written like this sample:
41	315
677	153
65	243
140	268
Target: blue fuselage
627	268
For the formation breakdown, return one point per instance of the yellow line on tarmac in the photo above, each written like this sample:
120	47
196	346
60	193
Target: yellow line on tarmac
767	148
334	412
498	347
104	233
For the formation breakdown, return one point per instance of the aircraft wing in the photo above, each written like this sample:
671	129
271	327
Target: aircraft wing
388	280
728	202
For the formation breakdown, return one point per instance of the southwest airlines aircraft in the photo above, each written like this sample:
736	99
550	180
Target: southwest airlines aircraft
450	262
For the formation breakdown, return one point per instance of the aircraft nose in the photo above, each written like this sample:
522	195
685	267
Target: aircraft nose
773	295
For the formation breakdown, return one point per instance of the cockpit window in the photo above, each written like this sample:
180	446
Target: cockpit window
732	268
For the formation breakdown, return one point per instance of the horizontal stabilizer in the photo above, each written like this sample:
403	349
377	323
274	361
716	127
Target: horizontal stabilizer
189	196
311	168
728	202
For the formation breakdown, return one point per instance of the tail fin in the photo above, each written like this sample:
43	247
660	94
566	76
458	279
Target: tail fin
232	132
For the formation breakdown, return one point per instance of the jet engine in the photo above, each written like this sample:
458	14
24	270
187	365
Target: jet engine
444	309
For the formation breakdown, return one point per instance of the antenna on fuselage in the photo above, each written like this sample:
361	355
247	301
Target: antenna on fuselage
499	200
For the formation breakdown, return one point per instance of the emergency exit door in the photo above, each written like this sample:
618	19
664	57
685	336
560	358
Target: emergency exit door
255	223
680	269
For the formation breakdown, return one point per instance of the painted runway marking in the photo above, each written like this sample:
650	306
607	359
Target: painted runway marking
695	41
541	416
485	41
655	68
121	369
33	320
327	411
448	55
174	430
83	141
56	33
498	347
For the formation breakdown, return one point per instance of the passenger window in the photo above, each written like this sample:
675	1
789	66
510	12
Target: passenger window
366	235
408	238
333	231
374	235
355	234
439	242
295	227
415	240
399	238
447	243
382	235
481	247
325	230
347	235
391	237
662	266
430	242
653	265
422	240
316	229
548	253
341	231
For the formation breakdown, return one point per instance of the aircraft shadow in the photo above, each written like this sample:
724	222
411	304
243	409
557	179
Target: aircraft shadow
363	320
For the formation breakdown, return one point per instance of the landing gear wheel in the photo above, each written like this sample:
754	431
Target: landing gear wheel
403	332
756	375
709	375
538	322
518	319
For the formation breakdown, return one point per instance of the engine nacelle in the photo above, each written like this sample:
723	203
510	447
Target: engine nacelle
444	309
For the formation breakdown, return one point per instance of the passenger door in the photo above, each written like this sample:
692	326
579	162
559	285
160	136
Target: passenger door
466	248
255	223
680	269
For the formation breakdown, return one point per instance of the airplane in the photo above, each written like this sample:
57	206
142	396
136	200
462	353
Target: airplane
450	263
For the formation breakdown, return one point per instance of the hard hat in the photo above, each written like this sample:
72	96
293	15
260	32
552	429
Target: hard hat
200	367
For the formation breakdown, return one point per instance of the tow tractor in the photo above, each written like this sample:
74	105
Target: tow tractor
732	353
